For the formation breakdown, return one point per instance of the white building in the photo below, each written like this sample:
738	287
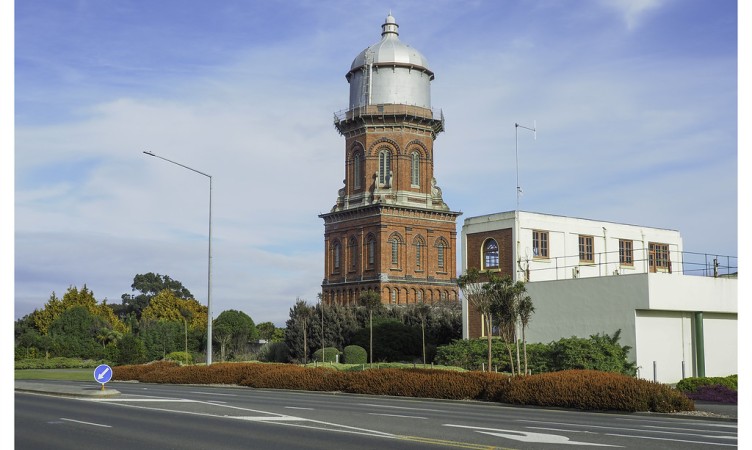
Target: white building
676	310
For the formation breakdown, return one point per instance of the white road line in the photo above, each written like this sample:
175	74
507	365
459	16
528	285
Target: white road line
87	423
397	415
400	407
298	407
213	393
672	440
643	430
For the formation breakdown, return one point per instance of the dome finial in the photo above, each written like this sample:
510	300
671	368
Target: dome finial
390	26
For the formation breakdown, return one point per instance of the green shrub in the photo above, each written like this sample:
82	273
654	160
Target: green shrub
276	352
327	354
598	352
181	357
691	384
355	354
393	341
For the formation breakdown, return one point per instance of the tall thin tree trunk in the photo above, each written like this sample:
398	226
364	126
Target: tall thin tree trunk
305	345
489	332
517	343
370	343
524	347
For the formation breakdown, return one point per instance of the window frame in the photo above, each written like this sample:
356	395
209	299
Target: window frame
415	169
490	255
626	252
385	165
586	247
540	244
357	170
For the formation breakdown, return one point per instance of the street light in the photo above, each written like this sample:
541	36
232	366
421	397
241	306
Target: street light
208	295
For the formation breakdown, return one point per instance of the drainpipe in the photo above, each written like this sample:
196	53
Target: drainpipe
699	345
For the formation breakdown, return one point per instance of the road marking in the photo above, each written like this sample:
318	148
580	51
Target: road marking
397	415
401	407
643	430
445	443
527	436
87	423
213	393
672	440
299	407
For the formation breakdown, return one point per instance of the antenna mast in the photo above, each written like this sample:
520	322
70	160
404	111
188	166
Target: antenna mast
516	156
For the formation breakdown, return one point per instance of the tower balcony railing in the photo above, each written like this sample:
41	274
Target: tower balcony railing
411	111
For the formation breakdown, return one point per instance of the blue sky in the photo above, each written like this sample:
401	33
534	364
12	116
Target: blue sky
635	104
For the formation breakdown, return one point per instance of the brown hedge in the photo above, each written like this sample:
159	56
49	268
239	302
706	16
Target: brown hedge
579	389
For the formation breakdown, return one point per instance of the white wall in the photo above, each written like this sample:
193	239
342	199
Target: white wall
721	341
664	341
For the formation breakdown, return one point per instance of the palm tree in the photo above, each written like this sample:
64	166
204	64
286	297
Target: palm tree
525	309
478	296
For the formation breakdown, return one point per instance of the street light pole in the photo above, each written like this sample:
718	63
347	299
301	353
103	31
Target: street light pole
516	256
208	295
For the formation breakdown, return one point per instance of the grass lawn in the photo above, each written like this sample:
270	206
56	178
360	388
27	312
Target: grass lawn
55	374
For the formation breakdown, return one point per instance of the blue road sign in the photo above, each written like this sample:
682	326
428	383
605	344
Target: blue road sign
103	373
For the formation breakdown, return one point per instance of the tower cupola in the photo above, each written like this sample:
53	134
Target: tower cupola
390	72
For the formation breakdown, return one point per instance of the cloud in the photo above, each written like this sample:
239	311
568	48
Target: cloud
633	12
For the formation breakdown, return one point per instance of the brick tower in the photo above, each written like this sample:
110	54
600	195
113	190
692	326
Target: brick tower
390	230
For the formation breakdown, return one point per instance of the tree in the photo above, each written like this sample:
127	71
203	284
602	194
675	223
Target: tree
270	333
525	310
74	334
503	307
73	297
480	298
298	326
370	300
148	285
234	329
423	311
191	316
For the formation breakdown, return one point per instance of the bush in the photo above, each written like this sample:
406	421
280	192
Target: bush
328	354
580	389
277	352
355	354
598	352
181	357
393	341
691	384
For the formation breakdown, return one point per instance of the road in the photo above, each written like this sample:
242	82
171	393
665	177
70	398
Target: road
151	416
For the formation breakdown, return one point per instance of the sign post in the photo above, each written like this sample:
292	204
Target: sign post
103	374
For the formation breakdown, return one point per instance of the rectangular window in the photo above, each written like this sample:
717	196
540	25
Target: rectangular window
586	248
441	256
540	244
417	255
626	255
395	252
659	259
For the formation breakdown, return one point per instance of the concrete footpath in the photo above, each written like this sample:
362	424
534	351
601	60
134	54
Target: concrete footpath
703	410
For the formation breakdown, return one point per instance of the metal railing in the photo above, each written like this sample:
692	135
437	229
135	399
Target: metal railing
608	263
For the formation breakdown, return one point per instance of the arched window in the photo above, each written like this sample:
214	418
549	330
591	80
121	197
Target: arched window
415	169
395	240
357	170
385	165
441	246
420	295
420	245
336	256
490	254
371	250
352	250
394	295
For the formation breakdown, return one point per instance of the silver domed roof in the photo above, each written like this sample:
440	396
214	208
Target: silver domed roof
390	51
390	72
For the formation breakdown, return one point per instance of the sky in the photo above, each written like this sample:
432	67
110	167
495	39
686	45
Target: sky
634	103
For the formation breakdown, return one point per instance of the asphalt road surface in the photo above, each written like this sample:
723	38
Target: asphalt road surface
156	416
